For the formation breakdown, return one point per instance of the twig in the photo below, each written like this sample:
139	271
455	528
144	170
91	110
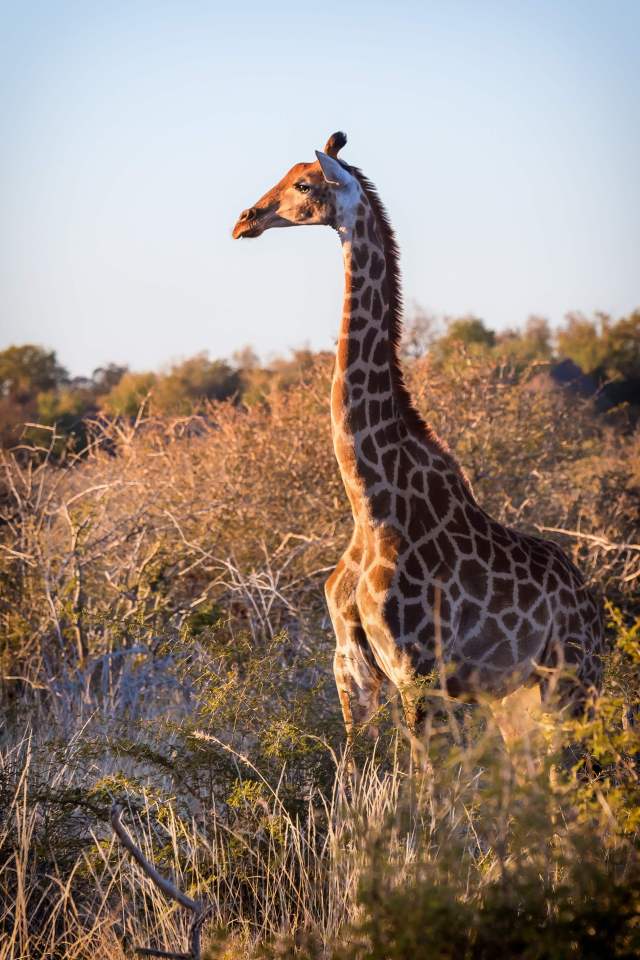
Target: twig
602	542
168	888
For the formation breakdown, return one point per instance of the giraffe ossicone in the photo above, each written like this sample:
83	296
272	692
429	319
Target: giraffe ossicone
428	577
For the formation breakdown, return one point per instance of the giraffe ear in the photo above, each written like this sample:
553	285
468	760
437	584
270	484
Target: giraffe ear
334	172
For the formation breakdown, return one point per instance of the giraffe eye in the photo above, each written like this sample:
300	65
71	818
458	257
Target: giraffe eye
303	187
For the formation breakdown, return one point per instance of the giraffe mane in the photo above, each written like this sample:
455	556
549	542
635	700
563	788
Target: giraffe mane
413	419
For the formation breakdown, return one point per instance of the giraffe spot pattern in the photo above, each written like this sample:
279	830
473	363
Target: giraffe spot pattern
501	594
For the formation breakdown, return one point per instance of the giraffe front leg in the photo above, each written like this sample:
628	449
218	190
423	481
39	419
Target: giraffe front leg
358	682
418	715
358	677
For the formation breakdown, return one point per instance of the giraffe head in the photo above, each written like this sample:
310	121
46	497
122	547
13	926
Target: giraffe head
322	192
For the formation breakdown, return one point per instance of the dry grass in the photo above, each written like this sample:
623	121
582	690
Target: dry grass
304	875
164	643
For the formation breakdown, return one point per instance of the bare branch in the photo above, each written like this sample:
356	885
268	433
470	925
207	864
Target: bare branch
167	887
601	542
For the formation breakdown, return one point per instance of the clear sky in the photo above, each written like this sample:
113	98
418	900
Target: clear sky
504	138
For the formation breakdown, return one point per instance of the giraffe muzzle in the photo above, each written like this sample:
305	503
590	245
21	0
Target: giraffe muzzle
251	222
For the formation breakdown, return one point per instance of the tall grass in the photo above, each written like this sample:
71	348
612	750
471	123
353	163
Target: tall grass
383	862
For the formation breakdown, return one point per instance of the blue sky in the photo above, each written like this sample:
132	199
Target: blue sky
504	139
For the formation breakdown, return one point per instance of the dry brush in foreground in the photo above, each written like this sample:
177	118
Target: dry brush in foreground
165	645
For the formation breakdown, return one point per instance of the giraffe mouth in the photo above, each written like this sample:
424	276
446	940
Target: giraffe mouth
262	219
246	229
253	222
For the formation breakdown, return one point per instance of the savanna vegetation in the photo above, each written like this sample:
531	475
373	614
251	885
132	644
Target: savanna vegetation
164	644
36	389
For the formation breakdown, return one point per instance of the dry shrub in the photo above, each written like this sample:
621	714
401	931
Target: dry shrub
241	513
543	461
164	636
238	513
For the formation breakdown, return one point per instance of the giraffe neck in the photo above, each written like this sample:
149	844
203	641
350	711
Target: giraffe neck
367	410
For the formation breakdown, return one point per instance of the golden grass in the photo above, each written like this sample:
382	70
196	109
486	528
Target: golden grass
164	643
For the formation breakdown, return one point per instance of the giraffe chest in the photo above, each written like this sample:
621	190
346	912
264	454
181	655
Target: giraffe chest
376	599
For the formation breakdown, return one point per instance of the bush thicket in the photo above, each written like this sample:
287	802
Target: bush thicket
164	643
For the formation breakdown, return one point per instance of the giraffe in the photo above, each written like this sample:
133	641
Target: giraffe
429	581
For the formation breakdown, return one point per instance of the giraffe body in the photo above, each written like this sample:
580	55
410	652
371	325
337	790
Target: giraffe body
429	582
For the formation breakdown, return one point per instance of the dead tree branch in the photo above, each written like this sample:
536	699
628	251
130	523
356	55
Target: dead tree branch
168	888
599	541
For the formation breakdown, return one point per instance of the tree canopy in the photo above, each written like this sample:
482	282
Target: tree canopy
35	387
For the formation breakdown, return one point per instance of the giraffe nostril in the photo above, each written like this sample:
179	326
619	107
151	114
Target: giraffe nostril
249	214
